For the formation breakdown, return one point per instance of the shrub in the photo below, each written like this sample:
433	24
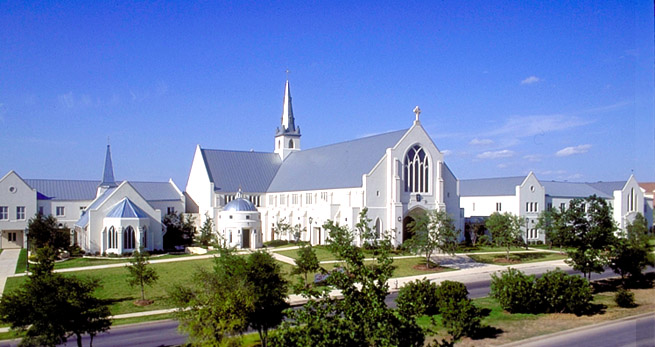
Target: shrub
450	291
624	298
560	292
515	291
461	318
417	298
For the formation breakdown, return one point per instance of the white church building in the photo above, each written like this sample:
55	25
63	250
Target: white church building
396	176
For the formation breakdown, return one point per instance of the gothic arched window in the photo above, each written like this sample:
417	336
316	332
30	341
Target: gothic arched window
144	243
128	238
417	170
378	229
112	238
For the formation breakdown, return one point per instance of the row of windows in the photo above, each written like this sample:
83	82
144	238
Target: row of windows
531	207
11	237
129	239
297	199
4	212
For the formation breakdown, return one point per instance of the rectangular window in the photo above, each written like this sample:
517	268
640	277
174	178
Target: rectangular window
527	207
473	206
11	237
294	199
499	207
283	199
170	210
550	206
271	200
41	210
20	212
536	207
324	196
308	198
562	206
60	211
4	212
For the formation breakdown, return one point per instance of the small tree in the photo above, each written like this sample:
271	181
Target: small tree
180	230
505	229
433	231
631	252
269	290
549	223
44	231
140	274
587	225
417	298
284	229
49	308
306	262
207	232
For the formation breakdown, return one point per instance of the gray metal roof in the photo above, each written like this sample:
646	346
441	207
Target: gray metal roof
340	165
572	190
608	187
490	186
252	171
64	189
84	218
156	191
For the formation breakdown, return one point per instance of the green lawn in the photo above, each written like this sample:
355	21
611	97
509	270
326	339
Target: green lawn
323	254
22	261
122	296
516	258
82	262
481	249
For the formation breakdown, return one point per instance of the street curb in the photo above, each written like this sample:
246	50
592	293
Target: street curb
569	331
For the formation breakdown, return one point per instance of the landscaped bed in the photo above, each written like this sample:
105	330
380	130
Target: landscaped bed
516	258
323	254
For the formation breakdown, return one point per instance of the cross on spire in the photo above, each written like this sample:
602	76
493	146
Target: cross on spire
417	112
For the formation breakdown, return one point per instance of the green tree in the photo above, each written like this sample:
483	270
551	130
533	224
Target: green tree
49	308
207	232
587	226
505	229
549	223
284	229
180	230
306	262
361	318
433	231
269	291
417	298
140	274
631	251
44	231
214	306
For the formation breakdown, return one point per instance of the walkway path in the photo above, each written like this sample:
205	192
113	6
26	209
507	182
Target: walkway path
8	260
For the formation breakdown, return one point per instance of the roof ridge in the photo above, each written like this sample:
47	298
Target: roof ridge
234	151
357	139
60	180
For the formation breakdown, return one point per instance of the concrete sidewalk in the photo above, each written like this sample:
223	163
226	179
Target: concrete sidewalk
8	261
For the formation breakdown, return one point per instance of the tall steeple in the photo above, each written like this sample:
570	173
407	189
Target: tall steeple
108	172
287	136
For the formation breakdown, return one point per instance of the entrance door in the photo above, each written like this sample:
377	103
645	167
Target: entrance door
245	238
407	232
12	239
316	235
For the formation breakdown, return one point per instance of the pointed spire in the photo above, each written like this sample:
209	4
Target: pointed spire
288	122
108	172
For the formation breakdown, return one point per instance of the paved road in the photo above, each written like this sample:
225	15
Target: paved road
634	331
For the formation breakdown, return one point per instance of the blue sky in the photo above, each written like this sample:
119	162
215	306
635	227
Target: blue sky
562	89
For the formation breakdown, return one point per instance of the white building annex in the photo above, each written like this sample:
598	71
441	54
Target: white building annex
396	175
527	197
104	216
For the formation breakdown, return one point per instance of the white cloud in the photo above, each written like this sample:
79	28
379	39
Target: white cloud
530	80
501	166
446	152
505	153
532	157
538	125
481	142
565	152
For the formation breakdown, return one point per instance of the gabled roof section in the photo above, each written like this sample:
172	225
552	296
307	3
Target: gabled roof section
157	191
339	165
84	219
64	189
490	186
229	170
126	209
572	190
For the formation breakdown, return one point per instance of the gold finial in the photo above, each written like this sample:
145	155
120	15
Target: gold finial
417	112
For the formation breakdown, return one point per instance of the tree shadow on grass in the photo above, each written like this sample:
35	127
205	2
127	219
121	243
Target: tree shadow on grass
613	284
486	332
117	300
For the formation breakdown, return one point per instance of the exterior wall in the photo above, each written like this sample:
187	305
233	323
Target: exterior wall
72	210
139	225
475	206
14	192
624	211
199	188
531	201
